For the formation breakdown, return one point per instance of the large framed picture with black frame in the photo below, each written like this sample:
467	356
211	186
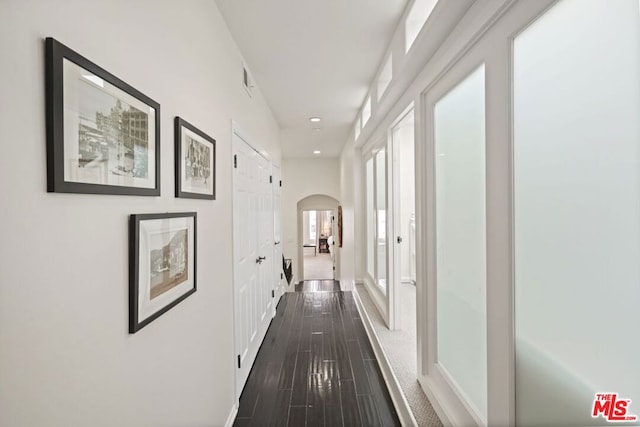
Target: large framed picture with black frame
162	264
195	157
103	136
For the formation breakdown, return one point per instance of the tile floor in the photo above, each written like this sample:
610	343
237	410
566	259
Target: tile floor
316	366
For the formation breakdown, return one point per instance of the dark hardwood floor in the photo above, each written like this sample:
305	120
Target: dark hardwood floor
316	366
318	286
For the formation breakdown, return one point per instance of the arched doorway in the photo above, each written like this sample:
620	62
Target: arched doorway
317	236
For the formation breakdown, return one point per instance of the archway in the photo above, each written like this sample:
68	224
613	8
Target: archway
320	244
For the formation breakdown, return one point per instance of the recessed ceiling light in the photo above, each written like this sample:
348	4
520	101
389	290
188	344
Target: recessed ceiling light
314	119
316	152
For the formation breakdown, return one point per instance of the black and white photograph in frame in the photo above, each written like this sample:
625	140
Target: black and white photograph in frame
195	156
103	136
162	264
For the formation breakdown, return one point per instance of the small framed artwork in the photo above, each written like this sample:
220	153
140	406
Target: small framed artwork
103	136
195	158
340	226
162	264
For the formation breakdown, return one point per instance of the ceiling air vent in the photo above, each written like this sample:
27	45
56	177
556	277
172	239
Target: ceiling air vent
247	81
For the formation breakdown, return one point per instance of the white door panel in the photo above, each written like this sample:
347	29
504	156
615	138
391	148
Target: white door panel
253	254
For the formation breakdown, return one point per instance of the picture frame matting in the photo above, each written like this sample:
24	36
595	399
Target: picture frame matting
103	135
195	162
162	264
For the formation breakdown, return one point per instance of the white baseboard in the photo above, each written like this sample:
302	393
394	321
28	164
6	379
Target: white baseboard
378	299
399	400
232	416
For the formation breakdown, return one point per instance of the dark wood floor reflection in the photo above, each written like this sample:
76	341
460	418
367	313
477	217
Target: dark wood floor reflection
318	286
316	367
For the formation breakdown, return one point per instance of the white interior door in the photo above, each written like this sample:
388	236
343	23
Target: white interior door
278	274
252	254
264	261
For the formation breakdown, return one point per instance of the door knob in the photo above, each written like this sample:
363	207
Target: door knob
260	259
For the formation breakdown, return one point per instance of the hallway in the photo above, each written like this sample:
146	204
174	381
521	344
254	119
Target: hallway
316	366
318	266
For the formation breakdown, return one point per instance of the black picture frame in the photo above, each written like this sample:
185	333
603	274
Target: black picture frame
162	264
195	162
103	135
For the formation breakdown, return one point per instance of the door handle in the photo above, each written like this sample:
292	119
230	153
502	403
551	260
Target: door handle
260	259
277	243
399	239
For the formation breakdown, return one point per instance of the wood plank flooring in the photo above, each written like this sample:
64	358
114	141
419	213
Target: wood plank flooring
318	286
316	366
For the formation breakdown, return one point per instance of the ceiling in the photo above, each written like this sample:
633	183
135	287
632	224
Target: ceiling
313	59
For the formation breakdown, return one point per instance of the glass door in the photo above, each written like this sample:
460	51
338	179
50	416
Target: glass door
402	287
381	220
377	226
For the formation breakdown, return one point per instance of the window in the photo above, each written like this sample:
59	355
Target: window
416	19
312	226
459	129
356	131
386	75
576	142
366	111
370	211
376	205
381	220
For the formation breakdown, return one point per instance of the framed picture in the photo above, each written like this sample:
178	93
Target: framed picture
195	162
340	226
162	264
103	136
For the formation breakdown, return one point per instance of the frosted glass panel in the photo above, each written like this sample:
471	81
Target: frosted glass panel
461	238
366	111
371	231
416	19
577	210
381	220
385	76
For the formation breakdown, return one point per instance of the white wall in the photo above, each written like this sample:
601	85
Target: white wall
303	177
305	228
66	358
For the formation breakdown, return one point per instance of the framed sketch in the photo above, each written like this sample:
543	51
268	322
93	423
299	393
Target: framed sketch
162	264
195	158
340	226
103	136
